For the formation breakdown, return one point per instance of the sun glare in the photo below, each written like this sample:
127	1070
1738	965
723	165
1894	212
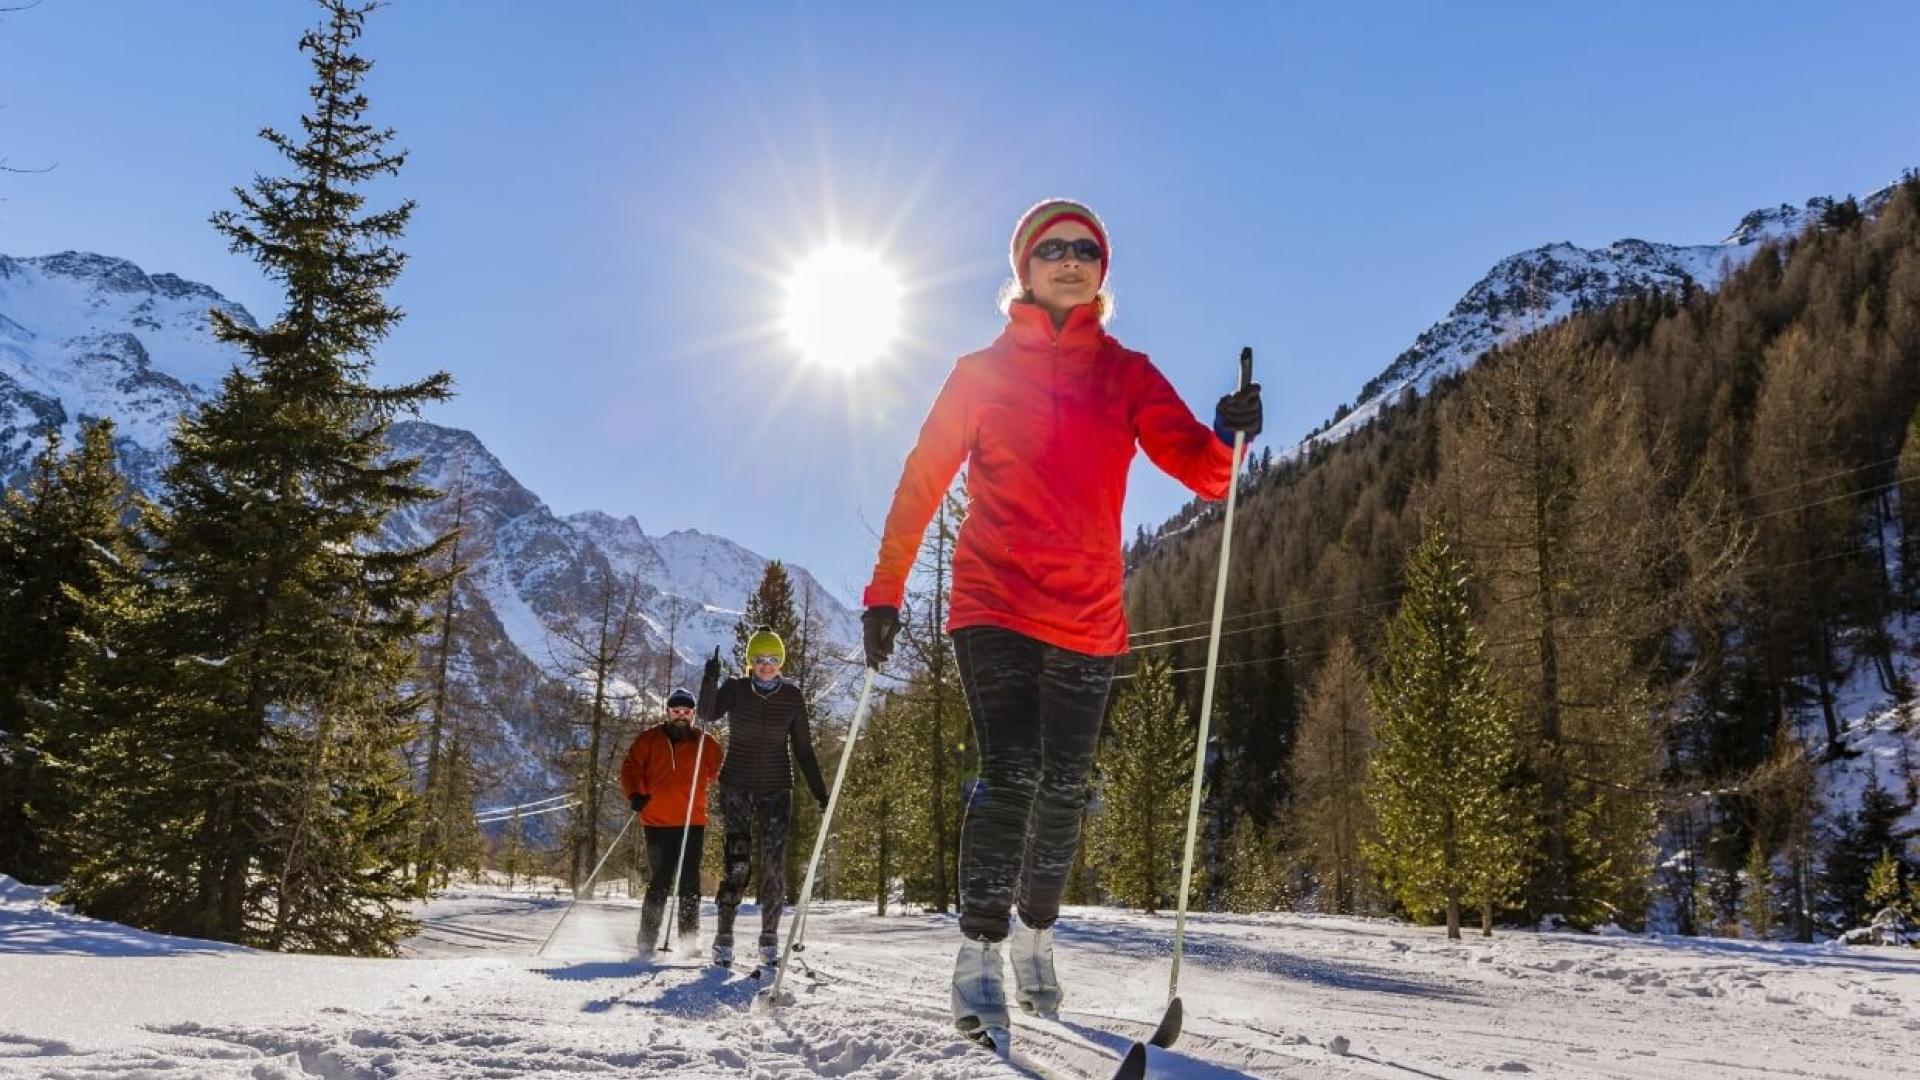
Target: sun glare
843	308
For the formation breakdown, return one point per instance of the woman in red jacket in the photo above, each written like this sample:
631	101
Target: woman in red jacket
1046	419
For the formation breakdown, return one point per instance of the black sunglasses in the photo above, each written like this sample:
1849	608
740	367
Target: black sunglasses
1056	249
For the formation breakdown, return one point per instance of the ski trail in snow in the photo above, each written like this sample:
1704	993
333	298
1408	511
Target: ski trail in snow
1283	996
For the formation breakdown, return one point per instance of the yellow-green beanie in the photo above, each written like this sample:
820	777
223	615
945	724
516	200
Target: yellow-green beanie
763	642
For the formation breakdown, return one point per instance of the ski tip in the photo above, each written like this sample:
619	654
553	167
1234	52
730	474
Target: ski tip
1170	1022
995	1040
1134	1065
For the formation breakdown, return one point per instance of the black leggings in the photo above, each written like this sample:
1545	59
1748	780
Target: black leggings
663	846
1036	710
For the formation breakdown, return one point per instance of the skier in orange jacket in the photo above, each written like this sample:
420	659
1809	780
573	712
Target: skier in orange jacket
668	790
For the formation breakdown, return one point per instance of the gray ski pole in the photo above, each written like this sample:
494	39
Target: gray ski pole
686	828
771	996
611	848
1206	698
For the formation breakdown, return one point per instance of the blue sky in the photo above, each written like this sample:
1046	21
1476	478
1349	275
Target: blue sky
610	192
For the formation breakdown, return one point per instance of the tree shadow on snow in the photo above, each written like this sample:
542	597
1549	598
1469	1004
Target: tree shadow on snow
1153	943
48	933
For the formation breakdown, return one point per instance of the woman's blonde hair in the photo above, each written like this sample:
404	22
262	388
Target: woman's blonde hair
1011	290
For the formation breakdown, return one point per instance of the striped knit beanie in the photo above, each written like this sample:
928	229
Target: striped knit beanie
1044	216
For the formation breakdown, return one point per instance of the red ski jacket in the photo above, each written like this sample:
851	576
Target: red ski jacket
1046	422
662	769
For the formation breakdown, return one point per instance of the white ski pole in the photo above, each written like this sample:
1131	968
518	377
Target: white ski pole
611	848
1206	695
673	899
799	927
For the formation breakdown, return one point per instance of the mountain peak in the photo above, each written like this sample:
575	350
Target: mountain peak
117	275
1543	285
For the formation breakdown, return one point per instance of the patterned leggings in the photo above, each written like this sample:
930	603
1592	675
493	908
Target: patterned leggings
743	812
1036	711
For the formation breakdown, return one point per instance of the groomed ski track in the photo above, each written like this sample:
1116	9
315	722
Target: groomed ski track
1285	996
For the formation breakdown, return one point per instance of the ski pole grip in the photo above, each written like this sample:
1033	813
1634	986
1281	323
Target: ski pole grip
1246	366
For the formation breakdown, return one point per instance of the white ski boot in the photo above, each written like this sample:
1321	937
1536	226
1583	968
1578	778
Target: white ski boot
723	954
769	958
1036	987
980	995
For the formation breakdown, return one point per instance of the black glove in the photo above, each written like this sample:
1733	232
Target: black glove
881	624
638	801
711	673
821	798
1238	411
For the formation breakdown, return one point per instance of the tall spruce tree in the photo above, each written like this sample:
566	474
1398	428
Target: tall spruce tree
64	542
1444	780
293	613
1145	767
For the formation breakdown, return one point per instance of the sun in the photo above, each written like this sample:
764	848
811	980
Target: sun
843	308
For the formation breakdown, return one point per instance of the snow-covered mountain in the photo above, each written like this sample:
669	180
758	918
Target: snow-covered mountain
1539	287
85	336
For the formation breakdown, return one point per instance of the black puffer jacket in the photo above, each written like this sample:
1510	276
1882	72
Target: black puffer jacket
760	726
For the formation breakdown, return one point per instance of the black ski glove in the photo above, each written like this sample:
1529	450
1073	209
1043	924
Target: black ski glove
638	802
880	625
1238	411
710	674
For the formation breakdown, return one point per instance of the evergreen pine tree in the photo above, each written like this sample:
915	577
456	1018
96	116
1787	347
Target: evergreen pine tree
289	620
1865	837
1251	874
1884	886
510	854
1145	766
1443	781
771	606
64	541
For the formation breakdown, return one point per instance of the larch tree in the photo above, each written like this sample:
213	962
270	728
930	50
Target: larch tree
1330	813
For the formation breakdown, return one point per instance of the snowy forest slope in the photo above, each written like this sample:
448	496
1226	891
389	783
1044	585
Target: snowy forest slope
1733	475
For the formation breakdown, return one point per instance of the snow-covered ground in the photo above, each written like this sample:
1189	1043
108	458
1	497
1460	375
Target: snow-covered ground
1267	996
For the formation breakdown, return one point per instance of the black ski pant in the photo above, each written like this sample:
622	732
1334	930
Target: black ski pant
663	847
1036	710
744	813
